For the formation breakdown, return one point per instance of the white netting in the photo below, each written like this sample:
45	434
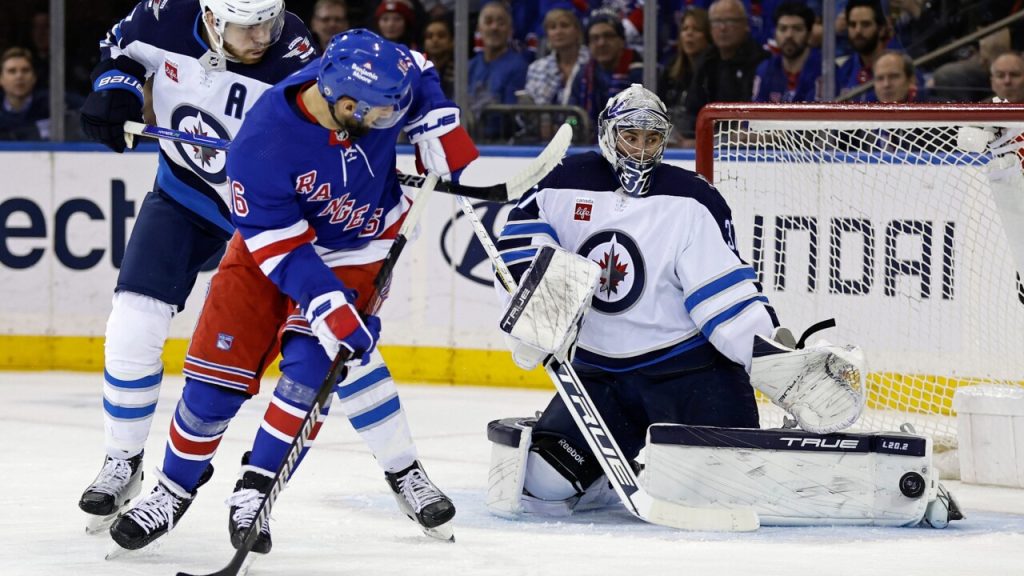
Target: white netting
890	228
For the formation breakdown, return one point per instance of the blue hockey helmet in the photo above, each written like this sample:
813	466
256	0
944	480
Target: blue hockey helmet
370	70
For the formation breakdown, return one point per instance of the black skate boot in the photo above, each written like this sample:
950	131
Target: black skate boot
422	502
117	483
250	490
156	514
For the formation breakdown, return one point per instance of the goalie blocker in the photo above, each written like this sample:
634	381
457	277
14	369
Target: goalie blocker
797	478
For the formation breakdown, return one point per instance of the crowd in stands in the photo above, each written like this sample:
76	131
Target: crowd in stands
580	52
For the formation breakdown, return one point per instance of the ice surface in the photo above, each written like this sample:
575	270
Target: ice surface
338	517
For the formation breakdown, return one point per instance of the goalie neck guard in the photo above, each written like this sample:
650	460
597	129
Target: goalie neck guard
370	70
634	156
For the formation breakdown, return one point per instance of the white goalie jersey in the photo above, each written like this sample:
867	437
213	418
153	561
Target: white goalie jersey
671	280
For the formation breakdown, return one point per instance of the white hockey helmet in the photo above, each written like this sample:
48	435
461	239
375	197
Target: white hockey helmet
243	23
634	156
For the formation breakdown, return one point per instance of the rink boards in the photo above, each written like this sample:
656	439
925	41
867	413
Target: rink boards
66	213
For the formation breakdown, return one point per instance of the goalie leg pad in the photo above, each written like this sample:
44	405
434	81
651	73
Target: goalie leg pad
552	297
794	478
510	445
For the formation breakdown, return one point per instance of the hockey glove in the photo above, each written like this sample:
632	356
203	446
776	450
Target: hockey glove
443	147
116	97
337	324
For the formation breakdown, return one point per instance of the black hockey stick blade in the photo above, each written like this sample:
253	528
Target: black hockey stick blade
284	471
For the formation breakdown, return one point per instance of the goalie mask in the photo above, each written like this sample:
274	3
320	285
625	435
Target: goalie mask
242	30
632	131
374	72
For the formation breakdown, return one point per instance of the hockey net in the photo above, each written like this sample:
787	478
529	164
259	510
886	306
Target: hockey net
877	216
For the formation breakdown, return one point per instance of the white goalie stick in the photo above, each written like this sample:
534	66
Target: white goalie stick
508	191
606	450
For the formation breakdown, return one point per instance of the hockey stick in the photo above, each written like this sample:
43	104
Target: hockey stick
508	191
380	282
606	450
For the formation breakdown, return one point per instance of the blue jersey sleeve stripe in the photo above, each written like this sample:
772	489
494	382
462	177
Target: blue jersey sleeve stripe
733	311
530	229
517	255
718	286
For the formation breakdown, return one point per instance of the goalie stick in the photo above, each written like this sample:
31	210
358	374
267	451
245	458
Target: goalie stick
508	191
327	386
606	450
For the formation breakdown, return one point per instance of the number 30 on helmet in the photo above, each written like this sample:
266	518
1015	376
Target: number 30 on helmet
370	70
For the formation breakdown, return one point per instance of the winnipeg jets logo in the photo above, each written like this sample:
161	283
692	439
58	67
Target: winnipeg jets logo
206	162
623	273
300	46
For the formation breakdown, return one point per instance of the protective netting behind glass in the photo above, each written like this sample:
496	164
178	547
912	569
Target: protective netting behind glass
891	228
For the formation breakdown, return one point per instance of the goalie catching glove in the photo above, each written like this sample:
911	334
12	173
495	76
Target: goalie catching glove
336	324
544	314
821	386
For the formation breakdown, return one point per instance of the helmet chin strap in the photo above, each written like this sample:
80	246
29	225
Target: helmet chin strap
216	58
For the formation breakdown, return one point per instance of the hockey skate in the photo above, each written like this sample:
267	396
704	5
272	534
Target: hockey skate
249	493
111	492
153	516
422	502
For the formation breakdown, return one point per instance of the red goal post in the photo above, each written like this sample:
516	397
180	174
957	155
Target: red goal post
883	216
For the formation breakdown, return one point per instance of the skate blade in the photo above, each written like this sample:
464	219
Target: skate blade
247	564
116	551
97	524
445	532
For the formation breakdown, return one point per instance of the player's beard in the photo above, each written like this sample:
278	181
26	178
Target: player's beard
350	126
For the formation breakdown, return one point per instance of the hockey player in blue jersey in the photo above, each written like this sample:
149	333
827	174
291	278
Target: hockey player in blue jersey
317	203
673	318
207	61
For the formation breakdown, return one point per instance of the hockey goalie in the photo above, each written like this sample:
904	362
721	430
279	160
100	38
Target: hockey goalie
627	269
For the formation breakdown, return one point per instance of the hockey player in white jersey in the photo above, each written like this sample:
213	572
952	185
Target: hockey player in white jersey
679	333
668	337
208	61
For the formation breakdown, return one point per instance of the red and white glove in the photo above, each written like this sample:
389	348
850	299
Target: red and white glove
337	324
443	147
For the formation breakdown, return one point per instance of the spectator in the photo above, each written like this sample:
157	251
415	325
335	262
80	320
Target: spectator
895	78
439	46
497	71
1008	77
396	21
606	39
39	35
867	29
968	79
549	80
330	17
792	75
726	73
24	107
23	110
694	39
